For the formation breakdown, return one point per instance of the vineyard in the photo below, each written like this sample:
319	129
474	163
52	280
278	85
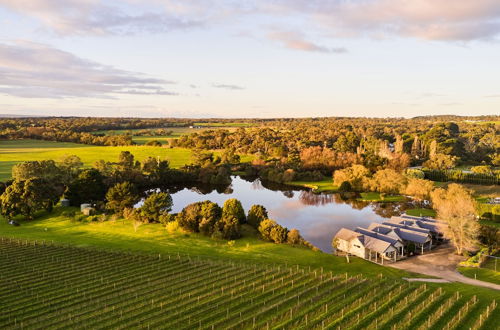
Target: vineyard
59	287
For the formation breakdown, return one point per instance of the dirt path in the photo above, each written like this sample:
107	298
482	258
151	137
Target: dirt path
442	263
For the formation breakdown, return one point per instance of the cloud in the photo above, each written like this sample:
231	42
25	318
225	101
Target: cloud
424	19
96	17
448	20
227	86
295	40
36	70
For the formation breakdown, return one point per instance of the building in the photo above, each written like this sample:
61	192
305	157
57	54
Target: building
413	239
434	226
365	246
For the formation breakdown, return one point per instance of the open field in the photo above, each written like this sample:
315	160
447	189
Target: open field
326	185
176	132
52	286
16	151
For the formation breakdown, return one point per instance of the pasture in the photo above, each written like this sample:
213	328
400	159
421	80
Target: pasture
16	151
45	285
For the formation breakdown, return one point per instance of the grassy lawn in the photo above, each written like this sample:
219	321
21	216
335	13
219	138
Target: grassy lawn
17	151
490	223
483	274
153	238
375	197
13	152
421	212
325	185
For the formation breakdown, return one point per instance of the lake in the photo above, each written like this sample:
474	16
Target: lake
318	217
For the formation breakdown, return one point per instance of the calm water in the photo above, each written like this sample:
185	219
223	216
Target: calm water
317	216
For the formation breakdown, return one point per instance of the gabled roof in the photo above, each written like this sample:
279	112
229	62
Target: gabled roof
346	234
375	244
374	234
410	235
432	226
418	218
399	225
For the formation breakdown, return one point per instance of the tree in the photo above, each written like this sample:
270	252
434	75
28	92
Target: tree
293	237
44	169
441	162
69	166
25	197
279	234
265	228
354	175
121	196
256	214
155	205
89	187
229	227
456	207
386	181
420	189
484	169
232	208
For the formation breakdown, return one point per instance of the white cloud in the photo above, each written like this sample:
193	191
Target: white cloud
36	70
296	41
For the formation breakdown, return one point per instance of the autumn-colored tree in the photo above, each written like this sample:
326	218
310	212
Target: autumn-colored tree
386	181
441	162
419	189
256	214
354	175
456	207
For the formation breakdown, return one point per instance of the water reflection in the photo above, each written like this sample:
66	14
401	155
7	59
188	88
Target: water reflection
317	216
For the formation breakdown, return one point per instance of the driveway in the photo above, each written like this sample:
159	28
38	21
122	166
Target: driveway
441	262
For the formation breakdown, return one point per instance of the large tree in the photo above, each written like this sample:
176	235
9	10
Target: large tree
155	205
456	207
121	196
232	208
25	197
256	214
88	187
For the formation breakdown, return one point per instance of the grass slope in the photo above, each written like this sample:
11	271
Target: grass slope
120	235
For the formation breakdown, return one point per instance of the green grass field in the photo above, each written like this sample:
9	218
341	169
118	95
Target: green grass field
421	212
176	133
375	197
326	185
16	151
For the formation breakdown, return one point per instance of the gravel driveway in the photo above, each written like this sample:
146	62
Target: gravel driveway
441	262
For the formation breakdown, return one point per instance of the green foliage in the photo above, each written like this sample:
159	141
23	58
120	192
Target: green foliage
256	214
279	234
345	187
122	195
232	208
89	187
414	173
229	227
154	143
272	231
156	205
44	169
441	162
25	197
462	177
200	217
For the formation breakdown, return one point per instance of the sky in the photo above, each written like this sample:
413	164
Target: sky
255	58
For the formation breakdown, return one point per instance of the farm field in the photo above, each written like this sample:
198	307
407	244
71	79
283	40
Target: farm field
16	151
176	133
51	286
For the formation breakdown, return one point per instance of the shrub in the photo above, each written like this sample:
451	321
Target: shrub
232	208
172	226
345	187
256	214
293	237
229	227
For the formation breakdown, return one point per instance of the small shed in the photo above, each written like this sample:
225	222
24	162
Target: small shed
64	202
84	206
88	211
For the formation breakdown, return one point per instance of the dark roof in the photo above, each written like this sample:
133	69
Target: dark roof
398	225
432	226
374	234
